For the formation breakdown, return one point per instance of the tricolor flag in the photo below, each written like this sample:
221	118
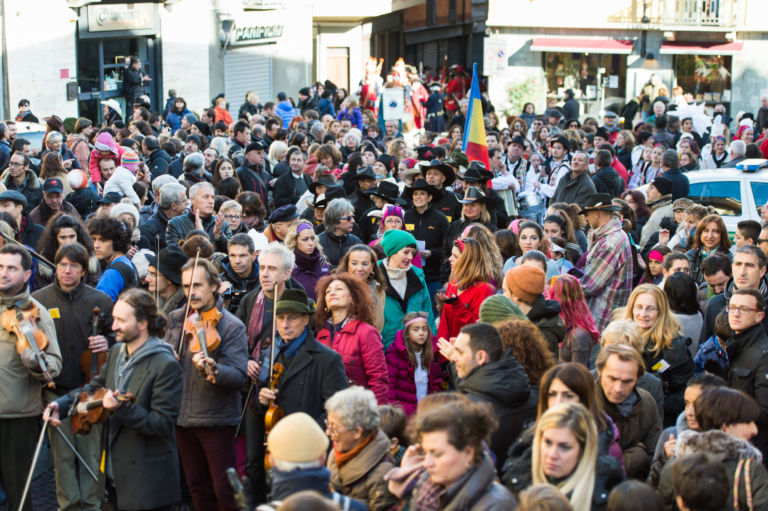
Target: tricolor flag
474	144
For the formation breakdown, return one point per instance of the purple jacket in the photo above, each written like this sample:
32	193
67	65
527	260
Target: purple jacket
309	269
402	387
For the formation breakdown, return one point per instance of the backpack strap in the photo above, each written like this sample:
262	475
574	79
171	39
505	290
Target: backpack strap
130	277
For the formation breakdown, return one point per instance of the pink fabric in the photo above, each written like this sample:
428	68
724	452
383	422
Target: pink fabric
116	150
402	387
362	351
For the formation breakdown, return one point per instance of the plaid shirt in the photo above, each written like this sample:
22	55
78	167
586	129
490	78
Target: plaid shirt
607	279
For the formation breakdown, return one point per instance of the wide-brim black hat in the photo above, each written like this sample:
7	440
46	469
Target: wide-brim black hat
172	258
364	173
325	179
423	185
387	191
519	140
599	202
445	169
322	200
476	173
474	194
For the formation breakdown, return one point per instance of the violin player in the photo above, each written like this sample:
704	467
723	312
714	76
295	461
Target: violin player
70	302
210	402
20	377
311	373
144	365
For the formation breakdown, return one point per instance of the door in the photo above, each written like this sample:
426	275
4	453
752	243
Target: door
337	66
100	66
247	68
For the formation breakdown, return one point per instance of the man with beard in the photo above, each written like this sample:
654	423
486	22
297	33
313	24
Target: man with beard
213	379
20	376
139	442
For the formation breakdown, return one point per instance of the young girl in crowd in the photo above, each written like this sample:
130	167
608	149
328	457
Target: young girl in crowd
412	361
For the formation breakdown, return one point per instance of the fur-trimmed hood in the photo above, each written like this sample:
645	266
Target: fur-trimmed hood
717	443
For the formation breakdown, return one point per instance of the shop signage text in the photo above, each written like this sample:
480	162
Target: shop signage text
103	18
247	34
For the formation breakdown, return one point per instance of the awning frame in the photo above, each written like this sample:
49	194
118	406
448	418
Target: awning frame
583	45
701	48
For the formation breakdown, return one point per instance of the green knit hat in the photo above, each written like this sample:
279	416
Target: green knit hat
395	240
499	308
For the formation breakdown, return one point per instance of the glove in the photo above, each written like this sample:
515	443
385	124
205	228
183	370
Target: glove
29	360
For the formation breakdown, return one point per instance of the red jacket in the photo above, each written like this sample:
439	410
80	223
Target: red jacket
362	351
402	387
464	310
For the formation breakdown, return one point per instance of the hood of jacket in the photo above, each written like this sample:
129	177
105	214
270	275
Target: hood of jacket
31	181
503	381
285	484
248	282
159	154
543	309
718	443
105	142
284	107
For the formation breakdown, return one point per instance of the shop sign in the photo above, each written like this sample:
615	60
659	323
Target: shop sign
255	33
105	18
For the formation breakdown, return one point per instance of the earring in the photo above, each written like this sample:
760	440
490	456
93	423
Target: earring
468	464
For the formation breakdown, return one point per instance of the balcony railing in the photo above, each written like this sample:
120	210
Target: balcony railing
689	13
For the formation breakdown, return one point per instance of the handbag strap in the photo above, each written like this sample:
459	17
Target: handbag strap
743	466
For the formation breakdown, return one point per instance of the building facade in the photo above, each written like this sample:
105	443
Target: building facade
607	52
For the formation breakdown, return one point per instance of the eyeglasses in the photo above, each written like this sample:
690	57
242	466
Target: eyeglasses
15	164
762	240
347	218
332	429
740	310
70	266
232	217
650	309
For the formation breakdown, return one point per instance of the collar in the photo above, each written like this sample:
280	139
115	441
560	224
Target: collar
69	295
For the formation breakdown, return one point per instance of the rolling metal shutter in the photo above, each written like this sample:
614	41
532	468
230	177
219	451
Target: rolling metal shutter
248	68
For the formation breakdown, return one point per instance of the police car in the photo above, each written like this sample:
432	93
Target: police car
735	194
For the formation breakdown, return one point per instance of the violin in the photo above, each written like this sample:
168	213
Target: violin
89	409
91	363
275	412
201	335
23	324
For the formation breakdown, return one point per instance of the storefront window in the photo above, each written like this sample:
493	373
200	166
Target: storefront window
707	77
579	71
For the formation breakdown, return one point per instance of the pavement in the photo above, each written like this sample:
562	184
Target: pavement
43	489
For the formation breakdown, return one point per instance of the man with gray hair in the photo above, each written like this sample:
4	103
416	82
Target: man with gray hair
339	221
200	218
738	151
576	185
194	169
670	169
171	200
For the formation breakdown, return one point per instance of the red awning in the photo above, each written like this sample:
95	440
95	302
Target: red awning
582	45
690	48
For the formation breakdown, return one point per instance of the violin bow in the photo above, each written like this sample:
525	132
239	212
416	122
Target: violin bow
180	343
157	269
274	328
37	255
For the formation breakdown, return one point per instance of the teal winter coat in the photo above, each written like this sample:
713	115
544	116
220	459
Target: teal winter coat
416	299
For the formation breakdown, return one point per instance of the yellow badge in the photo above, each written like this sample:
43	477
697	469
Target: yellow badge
54	313
410	227
449	219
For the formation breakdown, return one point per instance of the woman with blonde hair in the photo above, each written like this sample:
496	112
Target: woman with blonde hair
490	249
310	262
277	151
665	348
467	288
565	455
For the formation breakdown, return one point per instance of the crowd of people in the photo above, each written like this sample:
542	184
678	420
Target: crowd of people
308	307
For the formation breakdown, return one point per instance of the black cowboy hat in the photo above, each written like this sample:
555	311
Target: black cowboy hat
519	140
322	178
474	194
172	258
599	202
444	169
476	173
388	191
364	173
457	159
421	184
322	200
562	140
